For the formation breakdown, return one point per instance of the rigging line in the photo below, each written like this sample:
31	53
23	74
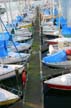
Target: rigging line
12	40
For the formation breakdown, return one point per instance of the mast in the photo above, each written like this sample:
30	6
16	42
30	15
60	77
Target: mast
53	8
10	11
6	7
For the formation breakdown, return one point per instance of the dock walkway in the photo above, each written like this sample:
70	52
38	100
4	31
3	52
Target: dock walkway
33	93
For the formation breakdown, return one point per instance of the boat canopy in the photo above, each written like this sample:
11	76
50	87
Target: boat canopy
56	57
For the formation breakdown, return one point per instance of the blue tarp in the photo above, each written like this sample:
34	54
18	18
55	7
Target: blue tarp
66	31
46	11
8	25
4	36
3	49
55	12
56	57
19	18
14	23
61	21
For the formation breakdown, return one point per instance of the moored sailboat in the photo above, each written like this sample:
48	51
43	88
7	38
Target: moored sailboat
7	98
61	82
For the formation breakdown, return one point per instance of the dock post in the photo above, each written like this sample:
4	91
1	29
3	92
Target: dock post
17	79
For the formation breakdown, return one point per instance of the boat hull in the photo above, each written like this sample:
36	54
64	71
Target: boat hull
61	82
8	102
10	71
65	64
15	58
7	98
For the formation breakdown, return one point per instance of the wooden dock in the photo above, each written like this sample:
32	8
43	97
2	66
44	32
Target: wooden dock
33	92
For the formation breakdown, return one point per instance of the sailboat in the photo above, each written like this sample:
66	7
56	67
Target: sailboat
57	60
49	29
61	82
9	56
8	70
7	97
54	28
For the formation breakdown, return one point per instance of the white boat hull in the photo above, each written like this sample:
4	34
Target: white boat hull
7	98
20	47
58	40
7	71
15	58
62	82
65	64
21	38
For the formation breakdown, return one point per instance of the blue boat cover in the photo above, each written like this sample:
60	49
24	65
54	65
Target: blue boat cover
56	57
3	49
4	36
8	25
14	23
66	31
19	18
55	12
46	11
61	21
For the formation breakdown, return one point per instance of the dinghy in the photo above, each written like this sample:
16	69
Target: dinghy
7	71
57	60
7	98
62	82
